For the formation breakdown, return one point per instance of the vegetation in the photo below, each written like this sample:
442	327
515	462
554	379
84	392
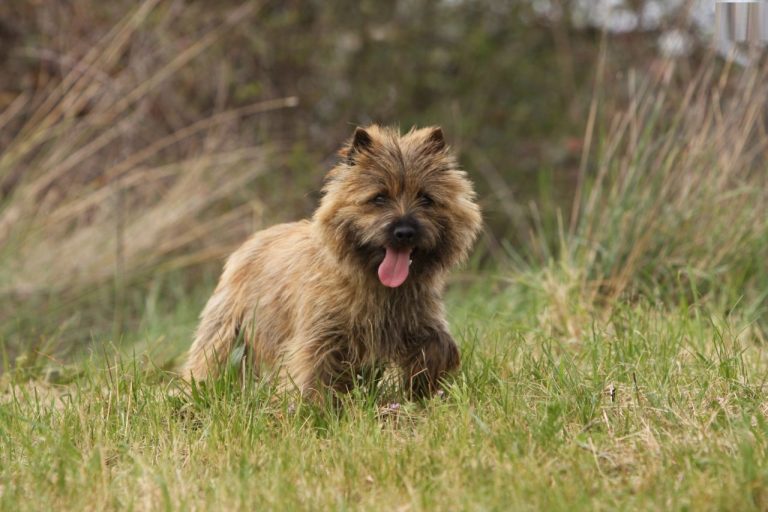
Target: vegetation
649	409
612	321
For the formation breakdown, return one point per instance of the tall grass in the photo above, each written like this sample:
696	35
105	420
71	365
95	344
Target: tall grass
673	203
101	184
95	187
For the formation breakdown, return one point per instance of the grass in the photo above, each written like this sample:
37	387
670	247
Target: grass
616	361
649	409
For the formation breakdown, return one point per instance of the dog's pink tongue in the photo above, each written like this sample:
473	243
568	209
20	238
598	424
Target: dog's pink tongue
393	271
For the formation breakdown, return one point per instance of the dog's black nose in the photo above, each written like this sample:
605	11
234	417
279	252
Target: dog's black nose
405	233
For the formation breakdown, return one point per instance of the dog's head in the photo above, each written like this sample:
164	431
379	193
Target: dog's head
398	206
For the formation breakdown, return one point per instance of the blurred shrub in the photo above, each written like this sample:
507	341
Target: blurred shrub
138	138
509	86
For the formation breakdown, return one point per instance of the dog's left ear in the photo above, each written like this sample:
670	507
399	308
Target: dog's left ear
436	140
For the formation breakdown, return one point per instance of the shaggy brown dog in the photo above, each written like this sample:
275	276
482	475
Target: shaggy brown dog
360	285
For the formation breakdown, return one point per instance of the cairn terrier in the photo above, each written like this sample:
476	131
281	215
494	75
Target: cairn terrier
359	286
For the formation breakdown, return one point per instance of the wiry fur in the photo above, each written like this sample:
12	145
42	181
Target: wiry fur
305	296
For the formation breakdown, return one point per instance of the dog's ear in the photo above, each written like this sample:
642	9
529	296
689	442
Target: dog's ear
435	139
361	141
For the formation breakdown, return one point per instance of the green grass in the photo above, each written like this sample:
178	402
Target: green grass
529	423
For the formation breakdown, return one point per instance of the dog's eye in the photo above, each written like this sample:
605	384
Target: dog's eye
426	200
379	200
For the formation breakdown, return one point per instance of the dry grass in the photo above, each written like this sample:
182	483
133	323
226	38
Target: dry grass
98	190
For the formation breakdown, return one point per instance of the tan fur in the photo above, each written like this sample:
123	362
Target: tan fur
305	296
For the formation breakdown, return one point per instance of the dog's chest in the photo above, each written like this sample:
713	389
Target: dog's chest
386	327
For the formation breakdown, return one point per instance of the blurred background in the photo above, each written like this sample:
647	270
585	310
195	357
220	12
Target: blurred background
140	142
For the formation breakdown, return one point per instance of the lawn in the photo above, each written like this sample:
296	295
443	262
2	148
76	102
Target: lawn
649	408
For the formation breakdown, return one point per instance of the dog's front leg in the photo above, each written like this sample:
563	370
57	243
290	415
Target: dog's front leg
428	362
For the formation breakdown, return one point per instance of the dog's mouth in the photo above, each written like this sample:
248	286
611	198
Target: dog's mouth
393	270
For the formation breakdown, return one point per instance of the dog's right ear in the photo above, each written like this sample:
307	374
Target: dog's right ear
361	140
